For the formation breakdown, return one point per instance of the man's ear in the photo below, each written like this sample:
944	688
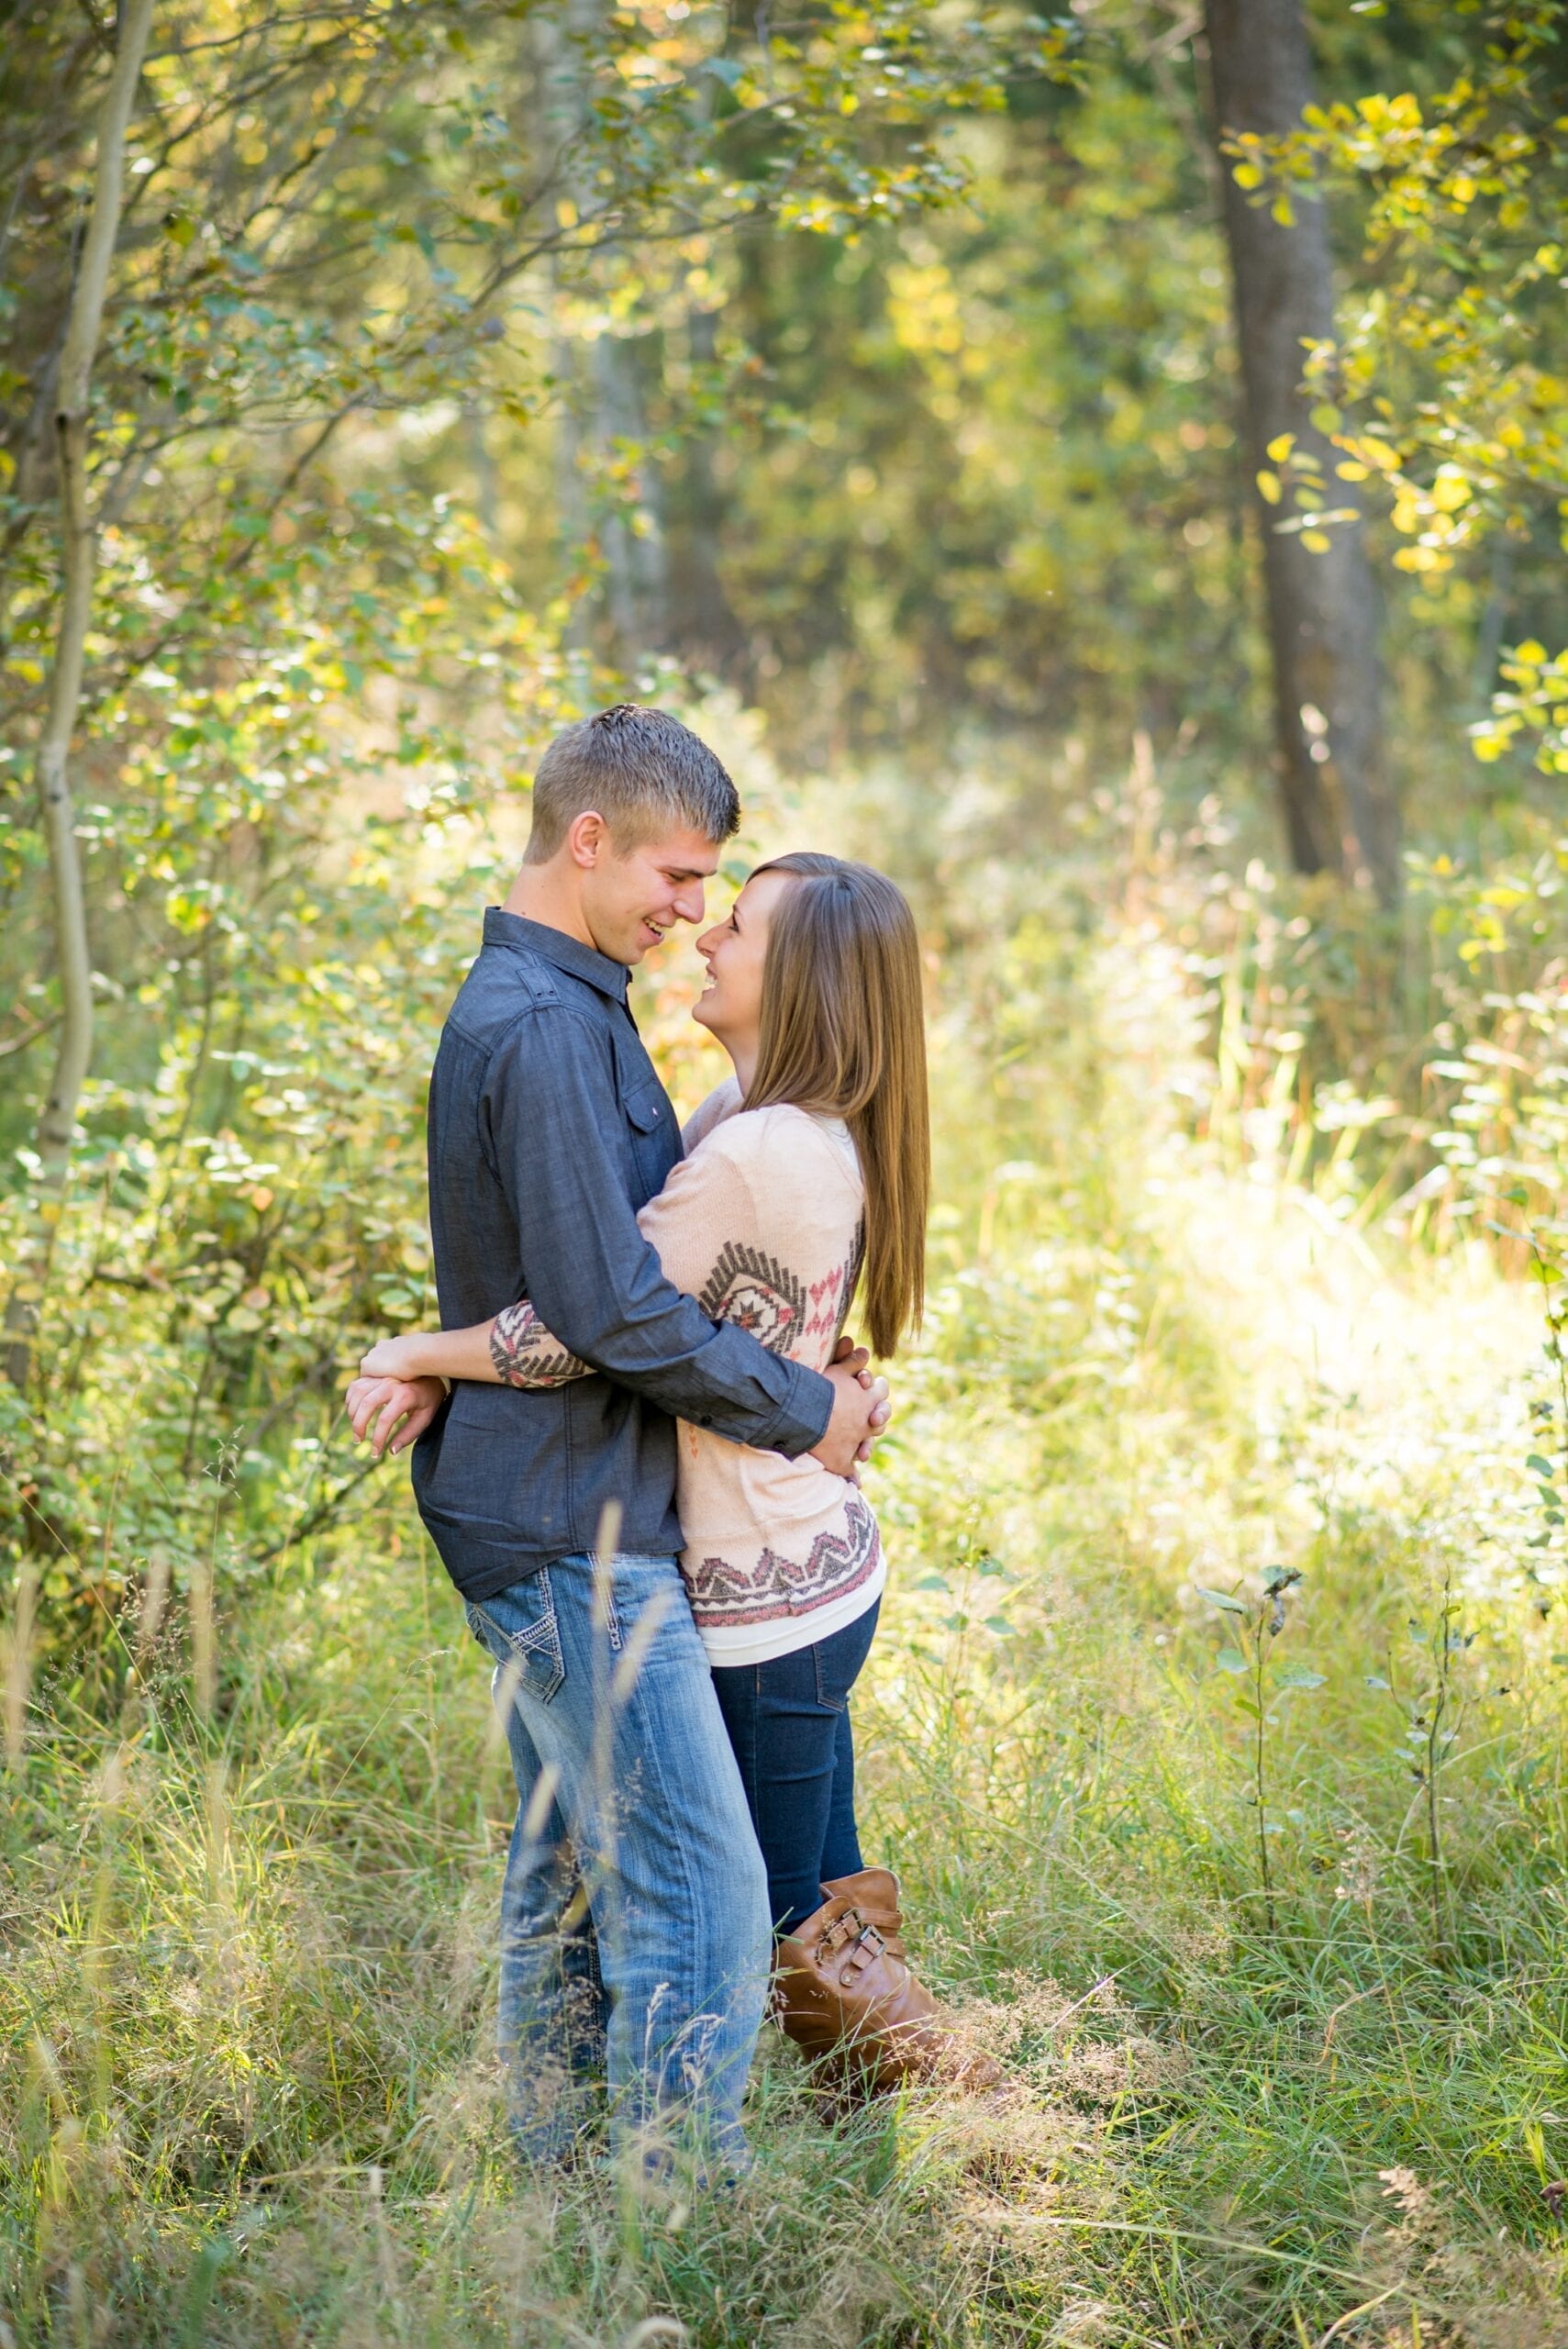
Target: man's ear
587	839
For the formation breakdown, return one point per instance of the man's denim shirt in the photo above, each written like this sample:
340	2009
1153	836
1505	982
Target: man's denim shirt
547	1129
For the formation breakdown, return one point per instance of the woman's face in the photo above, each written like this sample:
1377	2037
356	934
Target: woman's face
731	1005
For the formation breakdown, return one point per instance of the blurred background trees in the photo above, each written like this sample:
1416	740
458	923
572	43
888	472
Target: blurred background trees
1060	434
1108	466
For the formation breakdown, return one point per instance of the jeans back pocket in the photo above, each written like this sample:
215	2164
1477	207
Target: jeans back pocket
518	1629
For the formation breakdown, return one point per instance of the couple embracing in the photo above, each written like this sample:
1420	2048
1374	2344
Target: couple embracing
637	1437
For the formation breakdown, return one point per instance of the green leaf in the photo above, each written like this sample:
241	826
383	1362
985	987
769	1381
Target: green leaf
1232	1660
1295	1675
1541	1467
1219	1599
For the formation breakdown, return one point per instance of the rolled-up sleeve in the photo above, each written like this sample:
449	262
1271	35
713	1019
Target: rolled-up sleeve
550	1126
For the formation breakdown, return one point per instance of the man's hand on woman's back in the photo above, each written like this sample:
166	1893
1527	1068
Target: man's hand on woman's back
861	1411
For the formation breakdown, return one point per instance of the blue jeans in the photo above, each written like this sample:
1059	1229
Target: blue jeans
789	1722
634	1914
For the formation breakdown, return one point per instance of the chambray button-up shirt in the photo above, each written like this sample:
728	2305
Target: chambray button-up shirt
547	1129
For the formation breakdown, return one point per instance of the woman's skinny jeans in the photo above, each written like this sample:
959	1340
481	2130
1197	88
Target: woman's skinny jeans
789	1724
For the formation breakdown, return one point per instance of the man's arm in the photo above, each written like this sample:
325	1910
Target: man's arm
596	1281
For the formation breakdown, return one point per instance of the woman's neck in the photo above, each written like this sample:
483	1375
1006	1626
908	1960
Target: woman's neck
743	1060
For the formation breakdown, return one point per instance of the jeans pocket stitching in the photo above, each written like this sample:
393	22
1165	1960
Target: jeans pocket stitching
542	1638
833	1704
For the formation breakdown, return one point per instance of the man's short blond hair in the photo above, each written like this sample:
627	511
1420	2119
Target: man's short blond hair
640	769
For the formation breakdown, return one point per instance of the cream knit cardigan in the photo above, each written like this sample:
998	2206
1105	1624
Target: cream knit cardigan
762	1223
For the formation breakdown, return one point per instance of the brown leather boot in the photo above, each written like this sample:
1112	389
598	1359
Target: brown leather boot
846	1996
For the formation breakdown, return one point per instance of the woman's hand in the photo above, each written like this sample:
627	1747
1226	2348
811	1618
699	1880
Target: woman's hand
414	1402
394	1358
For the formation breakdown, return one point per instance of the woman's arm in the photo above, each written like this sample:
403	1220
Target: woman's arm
433	1353
703	1206
514	1350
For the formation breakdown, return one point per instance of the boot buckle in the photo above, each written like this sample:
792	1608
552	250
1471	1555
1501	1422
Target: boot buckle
864	1950
847	1927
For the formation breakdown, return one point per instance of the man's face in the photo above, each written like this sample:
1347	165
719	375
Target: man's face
629	899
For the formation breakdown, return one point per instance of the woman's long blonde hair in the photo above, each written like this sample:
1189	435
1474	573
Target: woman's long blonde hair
843	1034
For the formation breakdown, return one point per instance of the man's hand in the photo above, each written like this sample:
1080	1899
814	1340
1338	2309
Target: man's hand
387	1401
856	1358
861	1411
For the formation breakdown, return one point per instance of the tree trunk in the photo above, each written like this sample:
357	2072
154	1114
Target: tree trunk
704	629
1323	607
78	552
632	530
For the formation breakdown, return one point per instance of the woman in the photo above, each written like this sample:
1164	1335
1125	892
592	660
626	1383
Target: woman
806	1177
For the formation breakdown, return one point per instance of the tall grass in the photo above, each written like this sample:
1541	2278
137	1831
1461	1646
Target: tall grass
254	1835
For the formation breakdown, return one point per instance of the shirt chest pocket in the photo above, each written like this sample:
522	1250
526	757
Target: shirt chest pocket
650	1122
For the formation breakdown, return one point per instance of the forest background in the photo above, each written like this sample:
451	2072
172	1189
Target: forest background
954	416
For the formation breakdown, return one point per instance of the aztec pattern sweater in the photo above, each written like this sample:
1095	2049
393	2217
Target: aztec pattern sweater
762	1222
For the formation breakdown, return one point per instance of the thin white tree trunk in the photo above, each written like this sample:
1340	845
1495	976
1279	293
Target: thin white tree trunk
78	553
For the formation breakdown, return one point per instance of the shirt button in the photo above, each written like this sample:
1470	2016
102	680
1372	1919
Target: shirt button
705	1421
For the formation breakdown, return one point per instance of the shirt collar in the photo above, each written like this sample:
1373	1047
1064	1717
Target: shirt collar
502	929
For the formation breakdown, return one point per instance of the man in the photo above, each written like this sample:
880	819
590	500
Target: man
635	1927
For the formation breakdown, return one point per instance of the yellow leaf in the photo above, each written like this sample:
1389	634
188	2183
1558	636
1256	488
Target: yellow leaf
1269	488
1351	472
1532	654
1282	211
1281	446
1319	541
565	212
1451	490
1248	175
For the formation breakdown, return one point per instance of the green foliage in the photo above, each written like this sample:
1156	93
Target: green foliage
926	318
1261	1682
246	2013
1444	389
1538	704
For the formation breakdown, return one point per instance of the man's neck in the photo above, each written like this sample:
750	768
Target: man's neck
540	895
